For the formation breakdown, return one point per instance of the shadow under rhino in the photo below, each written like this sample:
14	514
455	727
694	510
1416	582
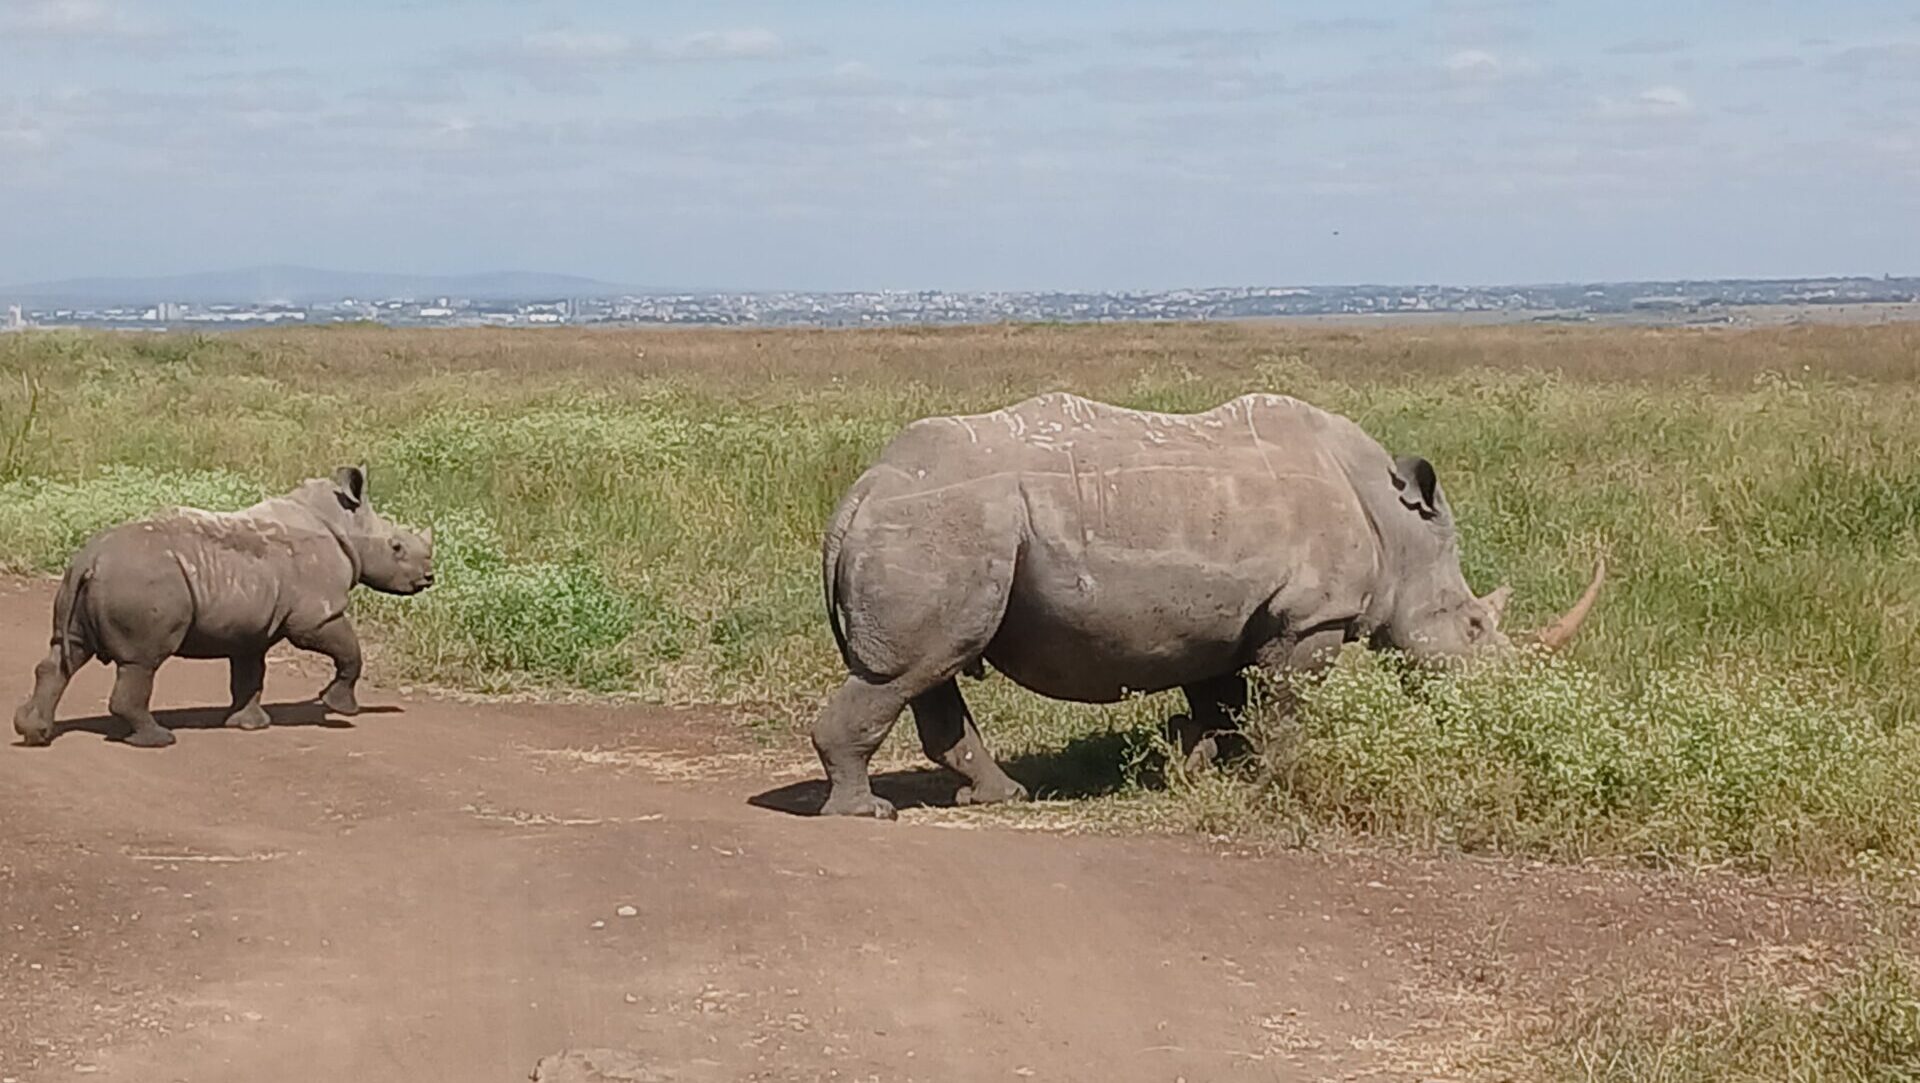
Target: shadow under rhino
1088	766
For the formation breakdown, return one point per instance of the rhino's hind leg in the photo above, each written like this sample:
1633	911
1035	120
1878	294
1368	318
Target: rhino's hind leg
33	721
951	739
247	677
132	691
850	729
337	640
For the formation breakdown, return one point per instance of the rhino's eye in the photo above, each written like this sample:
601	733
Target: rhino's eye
399	547
1476	627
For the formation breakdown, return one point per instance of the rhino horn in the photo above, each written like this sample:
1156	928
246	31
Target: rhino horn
1558	634
1497	601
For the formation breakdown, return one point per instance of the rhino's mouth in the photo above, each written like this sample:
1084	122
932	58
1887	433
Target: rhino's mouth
415	587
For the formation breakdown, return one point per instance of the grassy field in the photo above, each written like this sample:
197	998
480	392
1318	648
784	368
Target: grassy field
638	512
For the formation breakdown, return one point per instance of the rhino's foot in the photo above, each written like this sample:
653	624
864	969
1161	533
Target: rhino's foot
250	717
33	729
991	793
339	699
150	737
866	804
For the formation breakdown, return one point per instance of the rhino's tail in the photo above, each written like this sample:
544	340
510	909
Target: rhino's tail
74	649
830	560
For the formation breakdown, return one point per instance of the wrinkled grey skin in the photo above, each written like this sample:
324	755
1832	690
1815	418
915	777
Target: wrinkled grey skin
199	584
1088	551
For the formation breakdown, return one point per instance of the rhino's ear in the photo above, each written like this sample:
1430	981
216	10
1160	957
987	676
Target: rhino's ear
1419	487
350	485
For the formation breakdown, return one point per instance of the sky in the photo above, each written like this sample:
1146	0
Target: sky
835	144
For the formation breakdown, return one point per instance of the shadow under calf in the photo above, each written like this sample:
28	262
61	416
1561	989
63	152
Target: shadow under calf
309	713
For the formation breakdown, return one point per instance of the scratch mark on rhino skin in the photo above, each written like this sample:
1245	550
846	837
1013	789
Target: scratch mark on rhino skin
1079	500
1254	432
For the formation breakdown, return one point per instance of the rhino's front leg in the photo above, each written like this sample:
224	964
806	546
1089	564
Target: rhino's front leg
1308	654
246	677
337	640
1210	731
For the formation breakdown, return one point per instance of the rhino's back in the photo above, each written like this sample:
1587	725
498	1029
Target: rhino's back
1043	432
242	575
1213	485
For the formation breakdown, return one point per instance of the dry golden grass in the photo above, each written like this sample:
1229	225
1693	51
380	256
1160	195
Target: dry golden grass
1089	357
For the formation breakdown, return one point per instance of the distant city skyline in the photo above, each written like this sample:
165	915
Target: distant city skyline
843	145
484	301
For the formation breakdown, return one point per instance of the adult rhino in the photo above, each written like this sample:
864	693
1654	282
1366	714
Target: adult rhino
1088	551
200	584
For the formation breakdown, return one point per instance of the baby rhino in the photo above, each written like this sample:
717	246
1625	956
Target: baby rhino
199	584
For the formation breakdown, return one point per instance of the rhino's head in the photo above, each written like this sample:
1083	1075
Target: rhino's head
1433	614
392	559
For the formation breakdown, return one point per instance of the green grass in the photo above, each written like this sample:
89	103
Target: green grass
640	513
1695	764
1859	1023
45	519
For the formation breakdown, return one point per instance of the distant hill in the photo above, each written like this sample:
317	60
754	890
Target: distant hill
307	285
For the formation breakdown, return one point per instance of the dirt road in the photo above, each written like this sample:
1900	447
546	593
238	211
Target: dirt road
445	891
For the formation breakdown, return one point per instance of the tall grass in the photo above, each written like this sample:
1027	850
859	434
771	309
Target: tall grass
1543	755
1847	1022
640	512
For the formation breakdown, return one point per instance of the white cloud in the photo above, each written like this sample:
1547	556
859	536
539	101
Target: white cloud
849	79
752	43
1340	25
1203	44
1653	103
83	24
591	48
19	135
80	22
69	19
1886	60
577	46
565	60
1648	46
1472	64
1481	67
